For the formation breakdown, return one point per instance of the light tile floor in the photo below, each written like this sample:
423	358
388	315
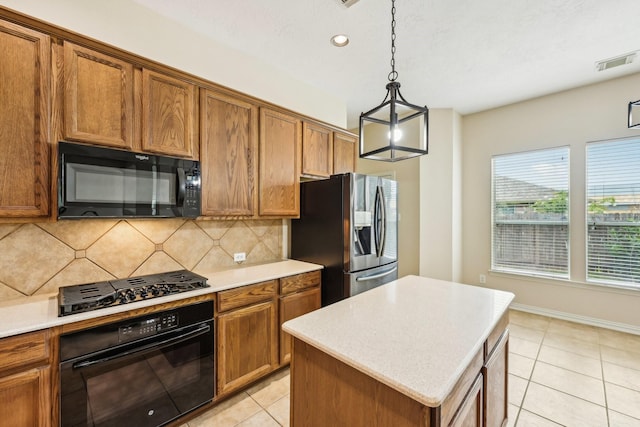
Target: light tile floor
560	374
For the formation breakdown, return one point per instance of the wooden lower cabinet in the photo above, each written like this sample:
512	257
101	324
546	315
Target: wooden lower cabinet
326	391
25	380
292	306
496	384
470	412
26	398
247	345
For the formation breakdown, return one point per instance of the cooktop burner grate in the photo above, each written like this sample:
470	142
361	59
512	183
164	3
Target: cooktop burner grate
93	296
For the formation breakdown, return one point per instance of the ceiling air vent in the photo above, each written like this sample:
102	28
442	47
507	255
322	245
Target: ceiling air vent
347	3
607	64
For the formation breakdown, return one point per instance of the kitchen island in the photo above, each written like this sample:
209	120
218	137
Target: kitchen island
414	352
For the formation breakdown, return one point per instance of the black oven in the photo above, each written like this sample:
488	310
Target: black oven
145	371
105	182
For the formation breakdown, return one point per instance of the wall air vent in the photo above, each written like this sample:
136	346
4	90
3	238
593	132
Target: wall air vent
607	64
348	3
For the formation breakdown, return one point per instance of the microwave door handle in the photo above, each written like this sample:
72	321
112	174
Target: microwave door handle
152	346
181	189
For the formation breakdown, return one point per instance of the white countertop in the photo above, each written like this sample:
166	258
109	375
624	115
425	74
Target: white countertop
28	314
416	335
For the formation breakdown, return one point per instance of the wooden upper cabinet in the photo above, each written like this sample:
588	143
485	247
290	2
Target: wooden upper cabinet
345	149
317	150
25	76
228	150
280	144
168	114
98	98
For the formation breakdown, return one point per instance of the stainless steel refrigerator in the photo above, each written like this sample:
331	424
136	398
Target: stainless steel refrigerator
349	224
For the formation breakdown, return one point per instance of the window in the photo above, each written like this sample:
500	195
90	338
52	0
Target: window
530	218
613	212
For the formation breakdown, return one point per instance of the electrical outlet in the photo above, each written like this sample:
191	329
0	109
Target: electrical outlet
483	279
239	257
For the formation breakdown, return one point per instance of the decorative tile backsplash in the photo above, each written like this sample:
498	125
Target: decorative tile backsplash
39	258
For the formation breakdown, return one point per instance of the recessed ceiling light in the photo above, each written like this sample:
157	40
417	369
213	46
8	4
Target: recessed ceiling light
340	40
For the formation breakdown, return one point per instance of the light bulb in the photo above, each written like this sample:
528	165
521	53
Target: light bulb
397	134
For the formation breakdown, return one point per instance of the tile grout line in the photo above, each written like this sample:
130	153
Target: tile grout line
604	383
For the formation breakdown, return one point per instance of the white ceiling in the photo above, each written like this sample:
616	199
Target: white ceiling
469	55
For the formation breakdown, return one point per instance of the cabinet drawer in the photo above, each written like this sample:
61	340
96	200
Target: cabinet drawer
455	399
299	281
496	333
245	295
24	349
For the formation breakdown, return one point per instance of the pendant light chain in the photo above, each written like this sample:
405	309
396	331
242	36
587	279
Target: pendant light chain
393	75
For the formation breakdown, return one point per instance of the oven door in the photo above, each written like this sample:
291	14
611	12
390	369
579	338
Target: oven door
140	384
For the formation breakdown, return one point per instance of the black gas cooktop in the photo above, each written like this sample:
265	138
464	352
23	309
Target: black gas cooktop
97	295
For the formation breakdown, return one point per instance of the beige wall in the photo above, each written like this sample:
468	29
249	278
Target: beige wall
39	258
440	198
570	118
127	25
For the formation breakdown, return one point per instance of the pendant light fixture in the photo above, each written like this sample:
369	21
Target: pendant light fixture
633	106
396	129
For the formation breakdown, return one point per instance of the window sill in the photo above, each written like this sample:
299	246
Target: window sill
592	286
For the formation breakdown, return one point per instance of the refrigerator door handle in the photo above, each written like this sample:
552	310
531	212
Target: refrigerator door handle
375	276
380	222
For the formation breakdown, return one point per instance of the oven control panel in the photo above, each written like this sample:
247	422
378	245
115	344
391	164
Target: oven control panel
147	327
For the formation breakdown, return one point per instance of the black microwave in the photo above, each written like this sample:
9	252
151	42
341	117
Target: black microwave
110	183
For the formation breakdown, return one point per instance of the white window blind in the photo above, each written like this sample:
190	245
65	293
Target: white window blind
530	218
613	212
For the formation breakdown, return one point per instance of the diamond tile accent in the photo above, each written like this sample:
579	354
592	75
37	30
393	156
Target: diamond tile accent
7	293
157	230
239	238
261	253
30	257
42	257
79	234
215	260
262	226
5	229
78	272
188	245
159	262
121	250
215	229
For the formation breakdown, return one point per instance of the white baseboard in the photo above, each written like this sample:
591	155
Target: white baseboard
622	327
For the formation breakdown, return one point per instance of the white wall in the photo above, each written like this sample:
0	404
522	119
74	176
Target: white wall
129	26
573	118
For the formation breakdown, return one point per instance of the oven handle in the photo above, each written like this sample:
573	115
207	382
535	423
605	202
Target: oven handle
175	340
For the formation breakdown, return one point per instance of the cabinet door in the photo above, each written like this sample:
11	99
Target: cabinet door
280	143
98	97
25	398
495	383
470	412
168	114
292	306
317	150
228	147
345	148
247	345
24	121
